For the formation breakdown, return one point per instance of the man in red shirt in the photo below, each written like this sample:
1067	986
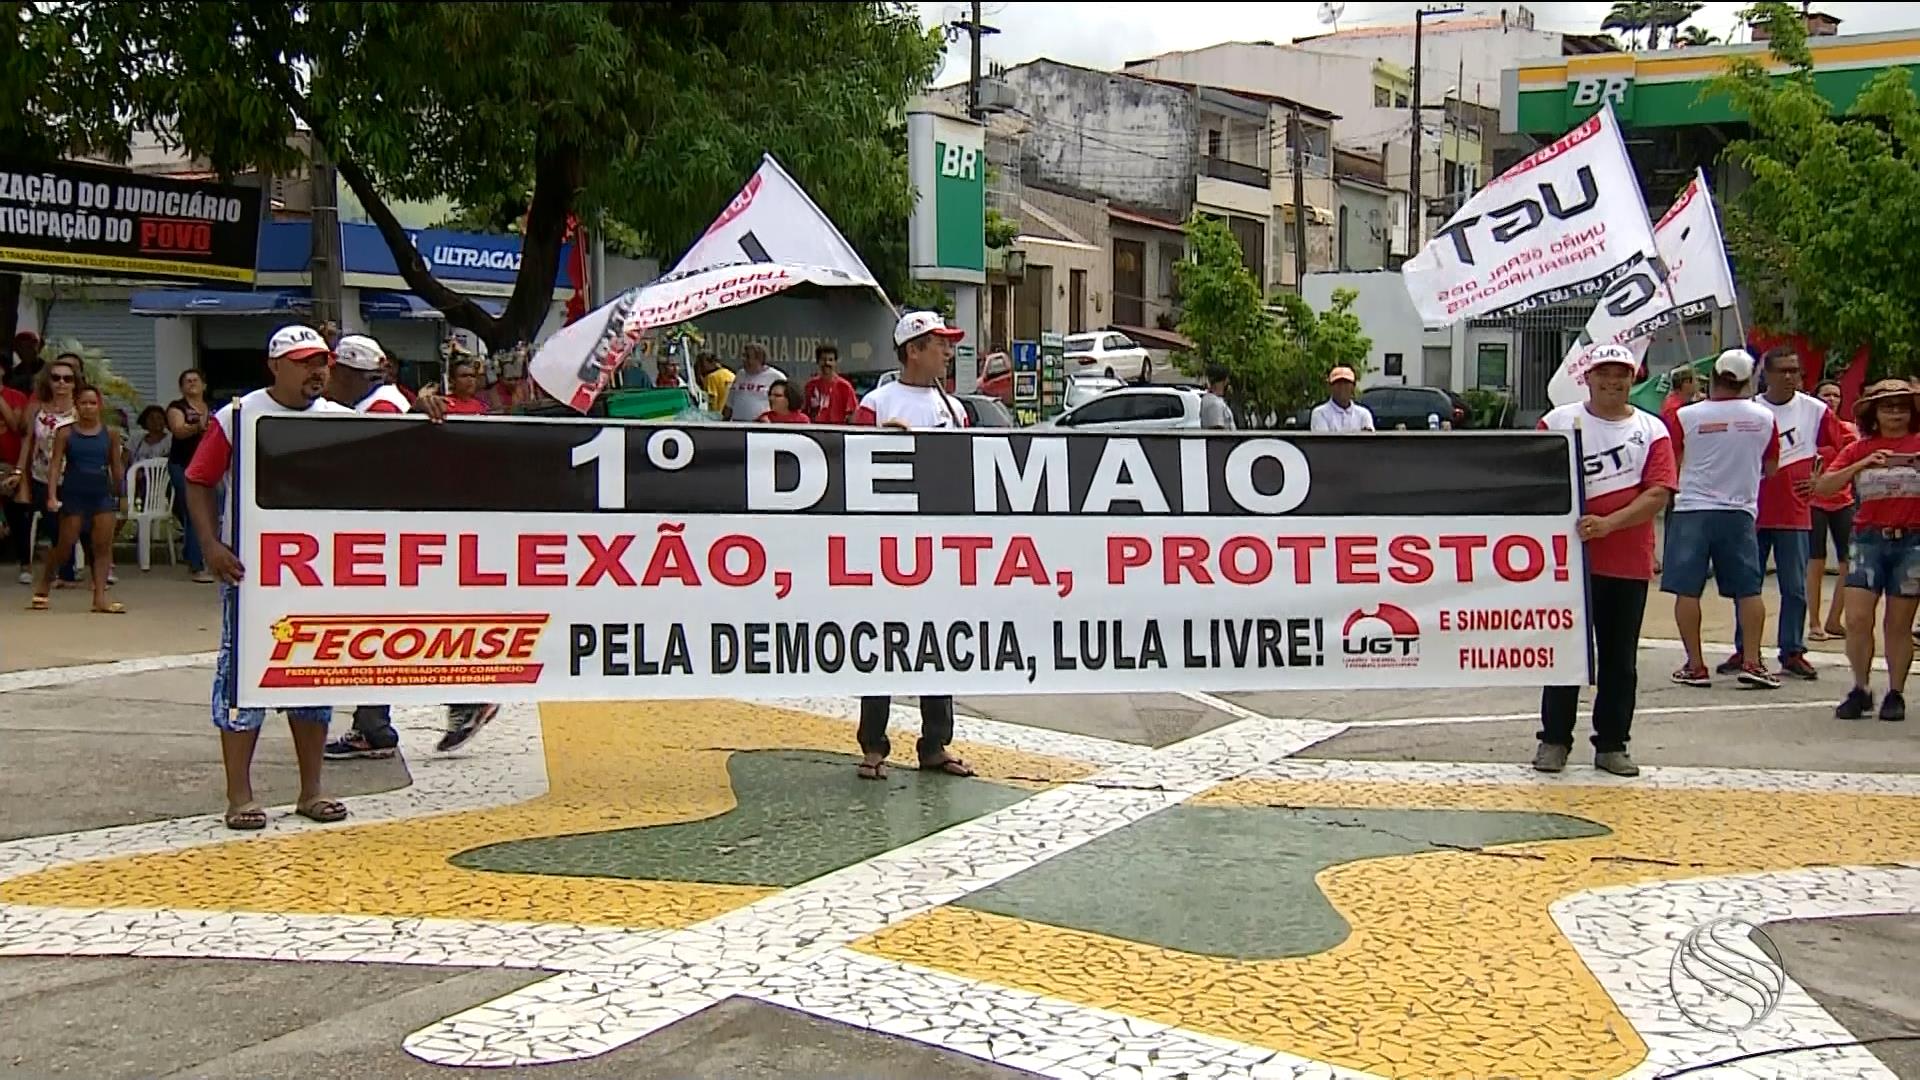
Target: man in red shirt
1784	523
1683	391
830	397
15	406
463	388
1629	472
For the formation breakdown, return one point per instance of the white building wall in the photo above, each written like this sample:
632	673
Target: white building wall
1388	317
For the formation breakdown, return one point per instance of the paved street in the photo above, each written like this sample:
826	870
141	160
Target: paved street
1359	884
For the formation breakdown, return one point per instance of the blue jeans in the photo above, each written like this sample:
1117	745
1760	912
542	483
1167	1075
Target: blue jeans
1885	561
196	559
1722	540
227	716
1790	548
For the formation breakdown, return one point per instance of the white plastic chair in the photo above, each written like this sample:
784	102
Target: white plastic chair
150	502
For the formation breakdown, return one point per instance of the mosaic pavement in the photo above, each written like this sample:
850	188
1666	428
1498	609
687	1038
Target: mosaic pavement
1085	908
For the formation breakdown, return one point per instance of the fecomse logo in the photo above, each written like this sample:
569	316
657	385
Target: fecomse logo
387	650
1386	637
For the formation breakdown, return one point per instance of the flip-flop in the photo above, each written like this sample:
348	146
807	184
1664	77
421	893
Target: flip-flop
112	608
872	770
324	811
249	818
38	603
1818	635
952	766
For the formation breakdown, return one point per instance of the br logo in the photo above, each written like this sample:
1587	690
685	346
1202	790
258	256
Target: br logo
959	161
1598	89
1386	637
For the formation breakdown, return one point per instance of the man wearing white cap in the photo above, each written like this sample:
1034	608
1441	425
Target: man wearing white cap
924	344
1726	445
299	361
1340	412
360	378
1628	472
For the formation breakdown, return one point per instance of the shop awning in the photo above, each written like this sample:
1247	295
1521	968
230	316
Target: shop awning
378	305
219	302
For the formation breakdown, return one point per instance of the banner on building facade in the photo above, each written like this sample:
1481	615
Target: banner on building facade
628	560
1560	225
1640	303
69	218
770	238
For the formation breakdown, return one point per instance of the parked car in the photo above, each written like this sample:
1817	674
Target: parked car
996	377
1108	353
1084	388
1392	406
986	411
1135	408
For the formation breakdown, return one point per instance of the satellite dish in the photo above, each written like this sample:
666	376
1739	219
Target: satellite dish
1330	13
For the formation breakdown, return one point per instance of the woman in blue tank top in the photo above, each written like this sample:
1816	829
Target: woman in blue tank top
84	483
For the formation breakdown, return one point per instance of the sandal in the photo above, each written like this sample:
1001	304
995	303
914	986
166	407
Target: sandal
1818	635
324	811
952	766
38	603
872	770
248	818
112	608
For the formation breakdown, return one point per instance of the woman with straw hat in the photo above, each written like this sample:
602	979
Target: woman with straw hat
1884	468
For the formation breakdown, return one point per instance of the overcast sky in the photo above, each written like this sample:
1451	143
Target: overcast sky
1104	35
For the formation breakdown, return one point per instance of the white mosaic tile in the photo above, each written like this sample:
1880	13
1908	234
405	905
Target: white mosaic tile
1656	776
62	676
903	726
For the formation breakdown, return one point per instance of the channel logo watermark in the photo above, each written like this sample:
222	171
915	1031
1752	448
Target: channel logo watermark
1726	976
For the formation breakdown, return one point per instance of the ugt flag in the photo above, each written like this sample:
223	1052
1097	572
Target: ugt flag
1561	224
1639	304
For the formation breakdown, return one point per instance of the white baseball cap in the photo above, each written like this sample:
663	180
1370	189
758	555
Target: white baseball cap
1736	364
359	352
917	323
1611	354
296	342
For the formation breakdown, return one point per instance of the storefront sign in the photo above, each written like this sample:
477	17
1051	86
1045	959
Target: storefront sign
87	219
622	560
947	234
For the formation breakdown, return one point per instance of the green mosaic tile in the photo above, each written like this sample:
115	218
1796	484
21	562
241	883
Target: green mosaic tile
800	814
1239	882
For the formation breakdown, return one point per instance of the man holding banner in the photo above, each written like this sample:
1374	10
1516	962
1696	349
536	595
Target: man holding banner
1629	472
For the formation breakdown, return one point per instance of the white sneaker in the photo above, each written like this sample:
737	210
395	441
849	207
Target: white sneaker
26	577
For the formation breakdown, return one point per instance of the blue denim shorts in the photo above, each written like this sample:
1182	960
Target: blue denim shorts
226	716
1725	541
1885	561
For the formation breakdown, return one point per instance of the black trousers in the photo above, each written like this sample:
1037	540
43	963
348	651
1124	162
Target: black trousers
1618	606
936	726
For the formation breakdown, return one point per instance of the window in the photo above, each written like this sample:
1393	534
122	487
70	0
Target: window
1157	407
1399	101
1078	343
1490	364
1214	142
1119	341
1106	410
1395	366
1382	97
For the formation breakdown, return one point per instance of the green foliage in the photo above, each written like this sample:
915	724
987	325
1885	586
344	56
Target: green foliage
1486	408
654	113
1276	360
1633	18
926	296
1820	225
1000	230
99	373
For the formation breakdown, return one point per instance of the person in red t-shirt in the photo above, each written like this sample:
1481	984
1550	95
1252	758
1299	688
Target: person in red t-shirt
1832	520
1884	468
830	397
1684	390
463	388
1628	472
15	406
780	405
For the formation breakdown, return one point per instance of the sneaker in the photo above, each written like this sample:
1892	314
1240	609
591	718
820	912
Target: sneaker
1616	762
1731	665
1857	704
202	577
463	723
1693	676
1798	667
26	577
1759	678
1550	757
113	578
354	744
1893	706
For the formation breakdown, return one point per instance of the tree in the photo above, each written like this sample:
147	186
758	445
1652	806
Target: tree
1693	37
1276	364
652	113
1817	230
1668	15
1629	19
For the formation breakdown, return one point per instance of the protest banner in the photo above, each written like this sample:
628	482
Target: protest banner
626	560
1641	303
1561	224
65	217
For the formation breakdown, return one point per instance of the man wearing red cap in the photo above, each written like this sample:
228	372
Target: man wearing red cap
924	344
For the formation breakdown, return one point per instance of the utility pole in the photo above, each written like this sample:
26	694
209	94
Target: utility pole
975	30
1414	211
324	242
1296	138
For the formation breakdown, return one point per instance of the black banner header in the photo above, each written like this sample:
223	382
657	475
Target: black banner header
88	219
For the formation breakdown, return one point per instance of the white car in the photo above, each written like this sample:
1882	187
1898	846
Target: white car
1108	353
1084	388
1135	408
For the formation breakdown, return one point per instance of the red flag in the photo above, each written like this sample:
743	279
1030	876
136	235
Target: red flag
576	269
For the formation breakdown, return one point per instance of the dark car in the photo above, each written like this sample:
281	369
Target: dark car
1393	406
986	411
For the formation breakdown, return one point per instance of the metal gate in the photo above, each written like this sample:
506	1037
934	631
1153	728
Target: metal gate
1544	335
110	327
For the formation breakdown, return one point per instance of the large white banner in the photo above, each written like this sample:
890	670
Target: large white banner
1639	305
770	238
616	560
1561	224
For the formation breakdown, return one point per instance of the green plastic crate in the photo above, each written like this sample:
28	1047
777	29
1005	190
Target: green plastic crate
658	403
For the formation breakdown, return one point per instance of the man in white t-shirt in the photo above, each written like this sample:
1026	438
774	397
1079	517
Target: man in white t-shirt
748	398
924	345
1726	444
1339	412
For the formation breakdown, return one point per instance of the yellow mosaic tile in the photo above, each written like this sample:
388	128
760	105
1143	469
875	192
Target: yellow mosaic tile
1453	967
609	766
